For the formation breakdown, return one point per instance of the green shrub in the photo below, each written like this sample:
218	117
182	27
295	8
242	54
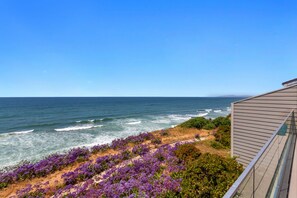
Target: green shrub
223	136
221	121
201	122
216	145
164	132
209	176
209	126
170	194
187	152
224	129
197	123
3	185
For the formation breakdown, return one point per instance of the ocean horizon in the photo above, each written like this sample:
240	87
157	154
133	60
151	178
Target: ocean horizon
35	127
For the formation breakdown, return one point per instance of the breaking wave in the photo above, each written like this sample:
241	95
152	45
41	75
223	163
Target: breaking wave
75	128
202	114
19	132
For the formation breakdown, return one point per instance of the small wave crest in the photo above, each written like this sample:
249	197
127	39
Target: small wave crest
19	132
202	114
105	119
217	111
74	128
94	120
84	121
134	122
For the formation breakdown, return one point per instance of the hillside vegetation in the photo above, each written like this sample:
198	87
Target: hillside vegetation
190	160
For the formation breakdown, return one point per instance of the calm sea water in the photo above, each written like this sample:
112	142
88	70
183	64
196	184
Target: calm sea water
32	128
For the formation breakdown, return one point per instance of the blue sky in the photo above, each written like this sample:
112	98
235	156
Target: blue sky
146	48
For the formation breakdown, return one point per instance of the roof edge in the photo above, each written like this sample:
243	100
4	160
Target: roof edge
289	82
264	94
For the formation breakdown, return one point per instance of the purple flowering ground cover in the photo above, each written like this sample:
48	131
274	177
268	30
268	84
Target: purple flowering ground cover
44	167
90	169
148	176
57	162
168	171
136	166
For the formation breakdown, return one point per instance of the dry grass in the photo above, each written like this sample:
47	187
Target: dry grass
205	147
178	134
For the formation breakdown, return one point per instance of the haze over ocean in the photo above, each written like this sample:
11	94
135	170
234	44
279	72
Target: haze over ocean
32	128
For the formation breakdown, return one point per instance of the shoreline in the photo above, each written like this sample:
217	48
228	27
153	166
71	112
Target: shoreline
166	136
57	123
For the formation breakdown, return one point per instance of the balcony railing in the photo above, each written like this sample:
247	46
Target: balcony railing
268	174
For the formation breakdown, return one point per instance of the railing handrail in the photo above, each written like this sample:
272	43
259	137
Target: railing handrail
233	189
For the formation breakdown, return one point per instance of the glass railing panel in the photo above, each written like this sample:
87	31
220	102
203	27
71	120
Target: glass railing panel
287	136
265	168
266	174
246	187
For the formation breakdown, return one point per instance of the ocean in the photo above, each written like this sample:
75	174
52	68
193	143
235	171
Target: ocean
32	128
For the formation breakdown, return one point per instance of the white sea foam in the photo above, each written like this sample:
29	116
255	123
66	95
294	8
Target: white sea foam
202	114
217	111
75	128
134	122
208	110
91	120
175	117
101	139
78	121
172	118
162	121
20	132
96	126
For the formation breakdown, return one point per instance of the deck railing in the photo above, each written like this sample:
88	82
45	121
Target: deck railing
268	174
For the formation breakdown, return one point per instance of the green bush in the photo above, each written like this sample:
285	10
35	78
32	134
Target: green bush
201	122
164	132
221	121
209	126
170	194
187	152
209	176
216	145
197	123
223	136
3	185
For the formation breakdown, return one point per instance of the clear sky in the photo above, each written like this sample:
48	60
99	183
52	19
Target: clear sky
146	47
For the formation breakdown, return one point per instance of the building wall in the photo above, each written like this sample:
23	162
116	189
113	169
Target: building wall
255	119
